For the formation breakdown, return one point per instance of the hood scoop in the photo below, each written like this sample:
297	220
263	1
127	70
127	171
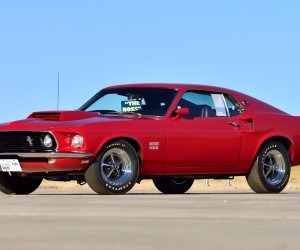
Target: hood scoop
63	115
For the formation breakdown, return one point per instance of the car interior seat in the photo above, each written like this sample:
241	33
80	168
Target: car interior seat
206	111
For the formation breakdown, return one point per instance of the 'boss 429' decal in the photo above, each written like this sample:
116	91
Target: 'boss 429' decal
154	145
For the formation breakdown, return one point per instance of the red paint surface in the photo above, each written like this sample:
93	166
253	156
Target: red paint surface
170	145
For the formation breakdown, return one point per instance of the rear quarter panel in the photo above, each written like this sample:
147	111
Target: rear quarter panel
266	127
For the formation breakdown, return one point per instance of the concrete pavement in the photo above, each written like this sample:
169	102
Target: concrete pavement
59	219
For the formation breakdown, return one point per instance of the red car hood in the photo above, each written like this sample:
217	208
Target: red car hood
46	120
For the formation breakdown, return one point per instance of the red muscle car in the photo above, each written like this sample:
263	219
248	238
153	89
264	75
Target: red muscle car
170	133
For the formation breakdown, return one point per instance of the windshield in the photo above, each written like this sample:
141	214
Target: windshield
145	101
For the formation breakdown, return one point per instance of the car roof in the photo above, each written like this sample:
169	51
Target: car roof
181	86
255	105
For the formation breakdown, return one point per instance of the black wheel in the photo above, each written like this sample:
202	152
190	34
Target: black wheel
14	183
172	186
115	170
271	170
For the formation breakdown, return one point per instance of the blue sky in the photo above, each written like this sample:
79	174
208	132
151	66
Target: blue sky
252	46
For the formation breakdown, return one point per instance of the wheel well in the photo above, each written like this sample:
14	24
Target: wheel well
285	141
131	141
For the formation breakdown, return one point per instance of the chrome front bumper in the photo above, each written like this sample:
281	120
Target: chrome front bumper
50	155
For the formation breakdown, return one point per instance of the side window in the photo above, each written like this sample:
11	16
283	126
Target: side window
203	104
234	108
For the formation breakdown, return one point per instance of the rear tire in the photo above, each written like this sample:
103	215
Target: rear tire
172	186
115	170
271	171
13	183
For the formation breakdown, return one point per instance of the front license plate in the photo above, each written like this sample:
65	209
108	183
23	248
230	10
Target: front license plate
10	166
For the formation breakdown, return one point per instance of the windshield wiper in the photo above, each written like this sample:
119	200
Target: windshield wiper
125	113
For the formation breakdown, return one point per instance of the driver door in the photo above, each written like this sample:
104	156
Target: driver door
206	138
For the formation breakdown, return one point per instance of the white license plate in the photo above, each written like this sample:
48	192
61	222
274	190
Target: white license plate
10	166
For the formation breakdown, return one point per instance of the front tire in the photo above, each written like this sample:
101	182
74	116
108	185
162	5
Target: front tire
172	186
271	170
14	183
115	170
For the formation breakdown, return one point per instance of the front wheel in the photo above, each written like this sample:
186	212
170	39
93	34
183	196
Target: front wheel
271	170
172	186
14	183
115	170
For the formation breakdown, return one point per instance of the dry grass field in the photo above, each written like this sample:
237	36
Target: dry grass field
238	184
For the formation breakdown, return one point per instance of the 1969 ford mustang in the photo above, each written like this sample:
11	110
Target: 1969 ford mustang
170	133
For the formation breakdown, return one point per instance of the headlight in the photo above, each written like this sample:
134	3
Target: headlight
77	141
47	141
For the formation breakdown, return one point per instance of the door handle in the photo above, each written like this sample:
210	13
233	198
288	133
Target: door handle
235	124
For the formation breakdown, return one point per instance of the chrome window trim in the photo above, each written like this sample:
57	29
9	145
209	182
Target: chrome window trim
225	104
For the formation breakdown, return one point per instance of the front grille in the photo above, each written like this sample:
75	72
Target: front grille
24	141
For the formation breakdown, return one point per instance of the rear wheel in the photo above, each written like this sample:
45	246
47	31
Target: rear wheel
172	186
14	183
271	170
115	171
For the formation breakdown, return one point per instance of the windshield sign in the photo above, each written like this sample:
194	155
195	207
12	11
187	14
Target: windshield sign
131	106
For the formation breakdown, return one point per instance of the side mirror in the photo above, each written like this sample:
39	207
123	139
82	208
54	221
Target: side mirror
182	112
